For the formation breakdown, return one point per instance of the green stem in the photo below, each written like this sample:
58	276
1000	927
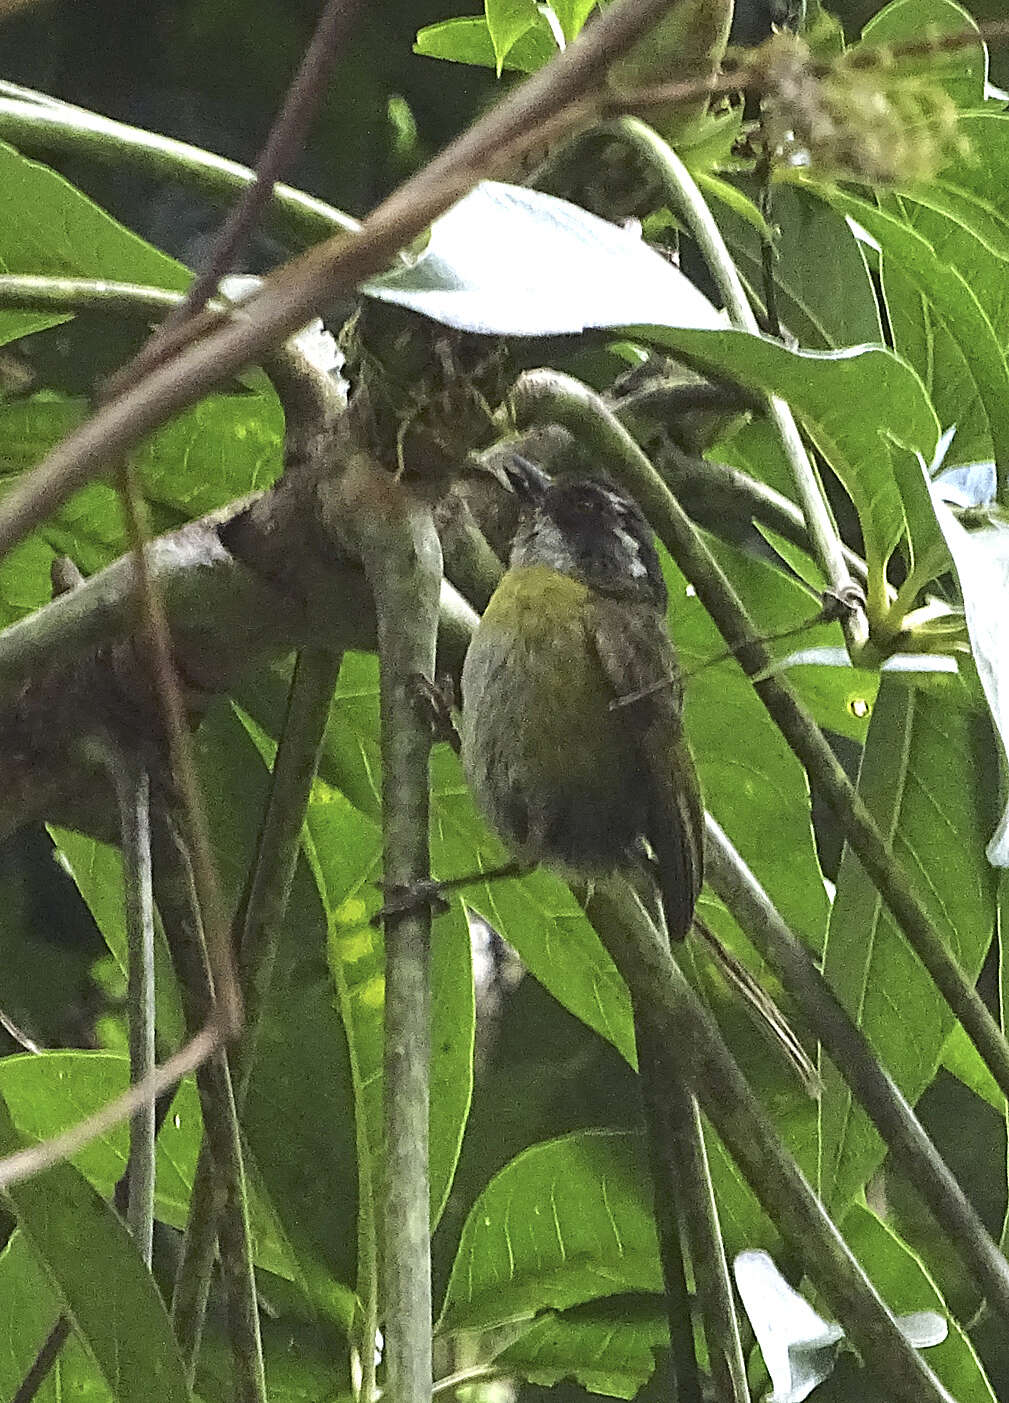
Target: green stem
664	1098
277	851
402	559
851	1053
179	907
549	397
133	794
714	493
683	195
45	125
707	1254
695	1049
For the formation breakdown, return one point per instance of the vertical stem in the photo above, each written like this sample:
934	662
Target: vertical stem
180	914
402	559
664	1098
681	1021
711	1270
133	792
294	767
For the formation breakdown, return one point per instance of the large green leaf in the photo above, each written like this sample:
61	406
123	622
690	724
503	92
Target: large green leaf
347	858
80	1242
565	1222
220	449
965	286
607	1346
937	828
299	1111
822	389
904	1284
47	226
29	1306
51	1091
922	340
823	289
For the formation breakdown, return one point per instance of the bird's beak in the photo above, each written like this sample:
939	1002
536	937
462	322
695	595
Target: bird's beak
517	474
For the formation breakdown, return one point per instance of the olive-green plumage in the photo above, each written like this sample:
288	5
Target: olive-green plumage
577	623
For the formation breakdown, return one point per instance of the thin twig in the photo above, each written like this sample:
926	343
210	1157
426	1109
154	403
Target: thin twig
283	145
227	996
664	1098
18	1034
550	397
179	907
133	796
711	1269
43	1362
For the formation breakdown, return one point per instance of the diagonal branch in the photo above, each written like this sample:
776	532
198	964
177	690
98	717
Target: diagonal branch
295	293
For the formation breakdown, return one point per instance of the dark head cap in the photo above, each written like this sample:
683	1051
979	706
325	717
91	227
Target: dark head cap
588	528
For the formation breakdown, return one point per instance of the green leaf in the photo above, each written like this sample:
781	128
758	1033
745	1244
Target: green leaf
753	786
220	449
572	15
937	830
347	859
962	1060
508	261
48	226
97	870
29	1306
467	40
960	73
507	21
565	1222
607	1347
821	388
48	1092
965	287
824	293
80	1242
299	1111
982	563
922	340
904	1284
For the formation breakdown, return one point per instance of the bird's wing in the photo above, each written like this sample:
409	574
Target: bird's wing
640	665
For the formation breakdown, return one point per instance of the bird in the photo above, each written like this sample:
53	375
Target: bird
571	721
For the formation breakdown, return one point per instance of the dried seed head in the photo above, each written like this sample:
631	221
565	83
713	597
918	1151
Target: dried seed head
853	121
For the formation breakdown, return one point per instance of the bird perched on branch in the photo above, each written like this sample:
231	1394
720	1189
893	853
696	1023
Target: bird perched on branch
571	729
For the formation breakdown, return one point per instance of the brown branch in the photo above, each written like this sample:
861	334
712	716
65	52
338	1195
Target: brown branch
291	296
